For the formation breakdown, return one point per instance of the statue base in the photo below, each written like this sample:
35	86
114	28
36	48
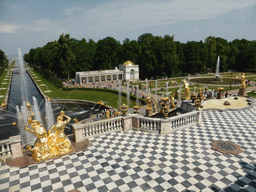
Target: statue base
220	95
27	160
149	112
242	92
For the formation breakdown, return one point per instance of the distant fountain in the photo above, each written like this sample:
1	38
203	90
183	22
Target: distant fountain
137	96
146	86
217	76
128	94
166	89
120	94
156	87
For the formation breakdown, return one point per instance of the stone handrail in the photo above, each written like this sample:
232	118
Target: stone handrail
170	124
10	148
87	130
150	124
183	120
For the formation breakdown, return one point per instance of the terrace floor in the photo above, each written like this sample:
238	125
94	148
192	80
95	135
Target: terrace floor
141	161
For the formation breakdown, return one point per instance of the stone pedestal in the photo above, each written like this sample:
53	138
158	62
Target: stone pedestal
78	133
16	148
149	112
220	95
242	92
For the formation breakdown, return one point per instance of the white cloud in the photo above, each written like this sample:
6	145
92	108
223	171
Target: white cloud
7	28
132	15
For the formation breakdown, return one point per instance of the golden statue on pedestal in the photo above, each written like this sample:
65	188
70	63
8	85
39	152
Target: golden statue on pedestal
243	79
173	106
187	91
51	144
149	105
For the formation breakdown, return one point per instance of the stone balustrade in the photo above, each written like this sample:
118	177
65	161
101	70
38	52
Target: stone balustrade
92	129
138	122
150	124
10	148
179	122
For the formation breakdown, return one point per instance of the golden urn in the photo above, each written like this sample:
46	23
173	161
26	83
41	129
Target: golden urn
124	109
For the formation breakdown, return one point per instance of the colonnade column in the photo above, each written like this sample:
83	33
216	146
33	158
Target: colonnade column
93	77
106	78
100	78
87	79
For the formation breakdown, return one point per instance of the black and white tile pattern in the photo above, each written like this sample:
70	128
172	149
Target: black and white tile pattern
140	161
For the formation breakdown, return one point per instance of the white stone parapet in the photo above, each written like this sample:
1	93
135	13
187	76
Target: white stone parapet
10	148
92	129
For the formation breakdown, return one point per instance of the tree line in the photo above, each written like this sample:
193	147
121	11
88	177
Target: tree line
156	56
3	62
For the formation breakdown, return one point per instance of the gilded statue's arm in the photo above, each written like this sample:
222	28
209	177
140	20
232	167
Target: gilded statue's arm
68	119
50	130
28	123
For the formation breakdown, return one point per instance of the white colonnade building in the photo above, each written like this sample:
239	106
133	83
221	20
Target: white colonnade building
127	71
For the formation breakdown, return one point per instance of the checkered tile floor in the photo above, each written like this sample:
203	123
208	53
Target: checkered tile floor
139	161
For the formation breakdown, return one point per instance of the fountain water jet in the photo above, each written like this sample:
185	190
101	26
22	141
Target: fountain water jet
217	75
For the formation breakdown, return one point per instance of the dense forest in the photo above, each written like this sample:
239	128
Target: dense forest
3	62
156	56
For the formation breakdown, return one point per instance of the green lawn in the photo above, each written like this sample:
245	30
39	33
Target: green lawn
95	96
3	92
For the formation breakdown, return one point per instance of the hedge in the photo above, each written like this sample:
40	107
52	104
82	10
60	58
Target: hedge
132	97
49	76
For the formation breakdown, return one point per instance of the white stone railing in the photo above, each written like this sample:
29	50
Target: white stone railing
183	120
124	123
92	129
10	148
168	125
5	149
150	124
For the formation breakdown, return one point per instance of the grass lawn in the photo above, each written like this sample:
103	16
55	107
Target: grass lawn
4	79
95	96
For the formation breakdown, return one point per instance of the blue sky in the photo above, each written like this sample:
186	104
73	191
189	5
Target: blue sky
32	23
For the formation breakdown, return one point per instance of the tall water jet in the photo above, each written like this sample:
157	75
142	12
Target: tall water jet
24	89
146	86
156	87
137	96
120	95
166	89
128	94
36	110
48	115
217	75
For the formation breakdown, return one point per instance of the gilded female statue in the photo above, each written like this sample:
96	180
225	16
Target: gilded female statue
41	150
187	91
243	79
59	139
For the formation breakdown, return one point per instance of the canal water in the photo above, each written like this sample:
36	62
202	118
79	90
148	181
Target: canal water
7	117
77	110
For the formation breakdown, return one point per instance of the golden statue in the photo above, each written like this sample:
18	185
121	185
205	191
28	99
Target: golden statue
187	91
41	150
243	79
51	144
107	114
59	139
149	106
165	106
173	106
